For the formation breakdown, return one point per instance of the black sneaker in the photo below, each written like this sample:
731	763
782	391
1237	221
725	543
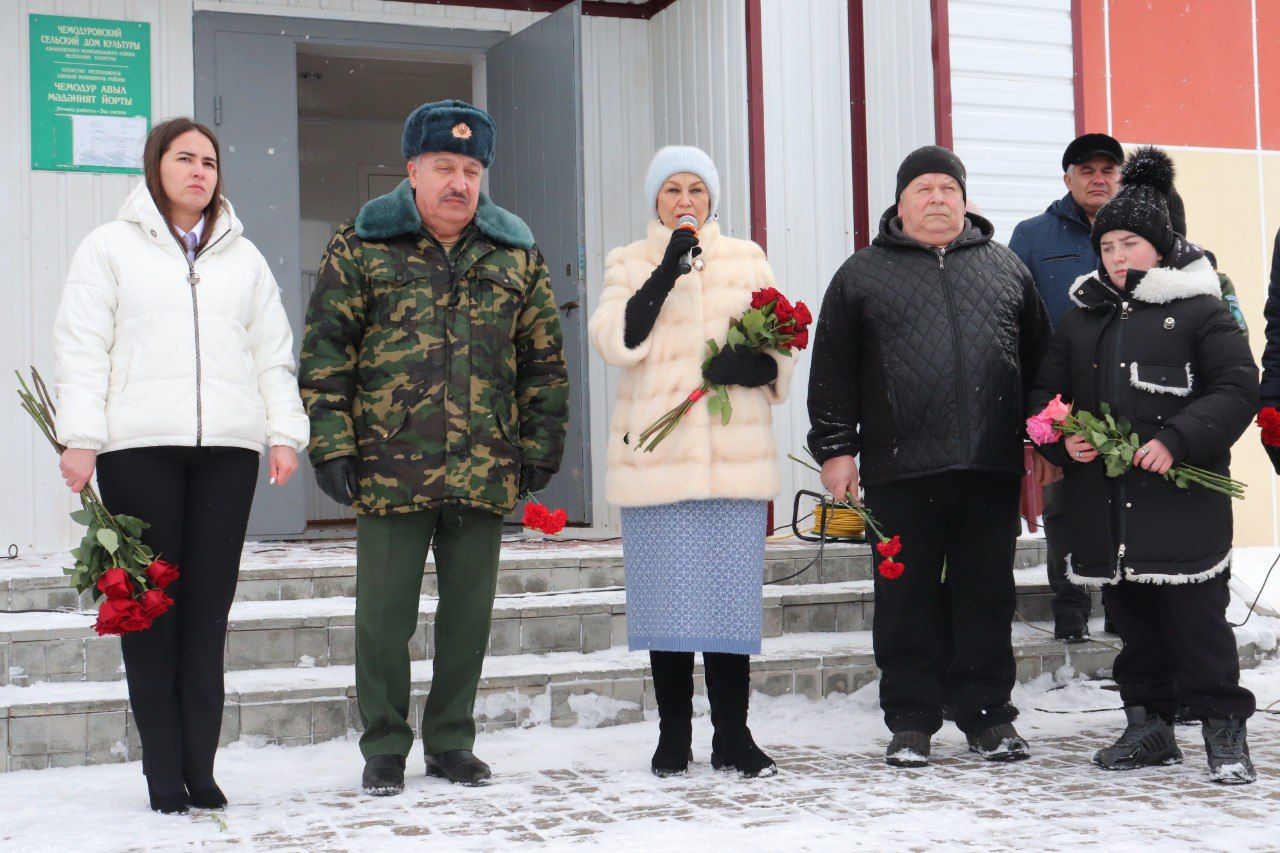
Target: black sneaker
908	749
1071	628
1000	743
383	775
1148	741
1226	743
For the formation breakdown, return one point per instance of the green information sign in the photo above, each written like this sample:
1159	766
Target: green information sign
90	94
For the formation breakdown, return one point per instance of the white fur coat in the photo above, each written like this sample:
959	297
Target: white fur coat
702	458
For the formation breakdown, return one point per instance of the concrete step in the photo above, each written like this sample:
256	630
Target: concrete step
293	571
62	647
57	725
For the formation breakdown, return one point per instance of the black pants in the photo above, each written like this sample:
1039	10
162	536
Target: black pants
197	503
1067	596
1177	645
970	521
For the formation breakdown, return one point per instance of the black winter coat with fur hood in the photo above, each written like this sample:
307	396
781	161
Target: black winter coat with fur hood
1168	356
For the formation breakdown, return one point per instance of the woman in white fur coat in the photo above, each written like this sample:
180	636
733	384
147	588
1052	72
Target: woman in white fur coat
693	509
174	371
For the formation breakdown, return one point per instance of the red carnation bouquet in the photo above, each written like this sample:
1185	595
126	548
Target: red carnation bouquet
538	517
772	324
111	559
1269	421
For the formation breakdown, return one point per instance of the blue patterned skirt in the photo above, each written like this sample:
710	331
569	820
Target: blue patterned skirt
695	571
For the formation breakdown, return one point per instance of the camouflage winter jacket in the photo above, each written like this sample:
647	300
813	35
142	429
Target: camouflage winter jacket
441	373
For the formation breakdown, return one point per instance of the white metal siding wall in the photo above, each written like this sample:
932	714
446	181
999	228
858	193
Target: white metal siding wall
1013	103
618	135
899	69
699	72
809	181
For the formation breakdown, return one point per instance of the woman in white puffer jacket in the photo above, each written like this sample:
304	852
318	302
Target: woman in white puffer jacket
174	371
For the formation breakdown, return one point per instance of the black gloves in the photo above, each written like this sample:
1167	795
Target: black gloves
741	366
533	479
337	478
645	303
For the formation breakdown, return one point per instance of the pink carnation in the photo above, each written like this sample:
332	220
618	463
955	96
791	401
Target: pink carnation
1057	411
1041	430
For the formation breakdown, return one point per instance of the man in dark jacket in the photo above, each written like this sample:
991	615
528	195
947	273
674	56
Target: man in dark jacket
1055	246
926	345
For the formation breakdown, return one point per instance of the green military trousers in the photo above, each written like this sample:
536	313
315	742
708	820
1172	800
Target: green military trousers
391	553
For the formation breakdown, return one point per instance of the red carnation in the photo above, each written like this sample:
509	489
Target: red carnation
1269	420
764	296
120	616
891	547
555	522
535	516
154	602
891	570
162	573
115	584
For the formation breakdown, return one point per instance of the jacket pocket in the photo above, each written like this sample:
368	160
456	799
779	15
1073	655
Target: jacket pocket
383	429
1162	379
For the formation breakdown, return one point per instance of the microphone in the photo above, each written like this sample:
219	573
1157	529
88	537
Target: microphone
688	222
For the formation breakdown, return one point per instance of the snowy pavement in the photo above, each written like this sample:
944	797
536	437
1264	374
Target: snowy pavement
562	788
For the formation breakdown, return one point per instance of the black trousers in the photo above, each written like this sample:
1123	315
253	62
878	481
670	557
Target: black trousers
1067	596
969	520
197	503
1177	645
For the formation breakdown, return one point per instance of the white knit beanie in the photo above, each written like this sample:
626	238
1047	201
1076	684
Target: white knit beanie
674	159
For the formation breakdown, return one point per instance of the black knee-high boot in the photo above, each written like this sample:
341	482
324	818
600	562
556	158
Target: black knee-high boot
729	689
673	688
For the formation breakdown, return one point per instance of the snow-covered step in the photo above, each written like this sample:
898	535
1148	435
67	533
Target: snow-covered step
53	725
290	571
321	631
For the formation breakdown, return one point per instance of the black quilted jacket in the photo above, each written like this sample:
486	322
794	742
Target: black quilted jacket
923	356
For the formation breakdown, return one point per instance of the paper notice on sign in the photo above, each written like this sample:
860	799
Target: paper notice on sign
108	140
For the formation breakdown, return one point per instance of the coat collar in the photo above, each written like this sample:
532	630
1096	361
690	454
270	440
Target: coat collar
1066	208
1159	286
396	213
140	208
977	230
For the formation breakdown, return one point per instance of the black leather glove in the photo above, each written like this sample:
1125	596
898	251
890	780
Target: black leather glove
645	304
1274	454
533	479
740	366
338	479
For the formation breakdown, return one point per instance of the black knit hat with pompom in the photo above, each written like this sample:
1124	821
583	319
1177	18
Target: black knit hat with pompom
1142	204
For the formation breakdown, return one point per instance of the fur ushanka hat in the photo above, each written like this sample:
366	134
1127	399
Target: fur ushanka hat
453	126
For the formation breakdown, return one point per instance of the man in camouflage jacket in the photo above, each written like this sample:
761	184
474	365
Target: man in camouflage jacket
437	390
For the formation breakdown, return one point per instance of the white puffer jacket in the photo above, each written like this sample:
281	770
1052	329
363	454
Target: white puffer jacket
702	458
143	358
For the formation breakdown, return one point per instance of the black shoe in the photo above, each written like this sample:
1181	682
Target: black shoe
908	749
1109	627
1071	627
167	795
673	690
1227	745
1148	741
1000	743
383	775
461	767
1184	716
729	691
205	793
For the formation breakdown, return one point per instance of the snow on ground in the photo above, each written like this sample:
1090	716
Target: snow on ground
564	788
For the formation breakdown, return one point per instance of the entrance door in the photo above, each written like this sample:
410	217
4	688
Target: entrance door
254	113
534	84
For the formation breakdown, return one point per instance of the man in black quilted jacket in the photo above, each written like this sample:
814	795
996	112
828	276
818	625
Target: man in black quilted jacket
926	345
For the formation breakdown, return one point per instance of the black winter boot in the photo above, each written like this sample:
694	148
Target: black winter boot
673	689
204	792
383	775
167	795
1226	743
908	749
1000	743
1071	627
1147	741
729	689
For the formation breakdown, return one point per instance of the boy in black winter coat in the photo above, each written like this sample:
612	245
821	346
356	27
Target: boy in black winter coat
1151	338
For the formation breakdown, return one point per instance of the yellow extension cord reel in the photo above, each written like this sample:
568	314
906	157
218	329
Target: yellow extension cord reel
831	523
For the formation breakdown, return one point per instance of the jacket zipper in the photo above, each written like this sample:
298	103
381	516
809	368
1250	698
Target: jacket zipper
962	409
1115	396
193	279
